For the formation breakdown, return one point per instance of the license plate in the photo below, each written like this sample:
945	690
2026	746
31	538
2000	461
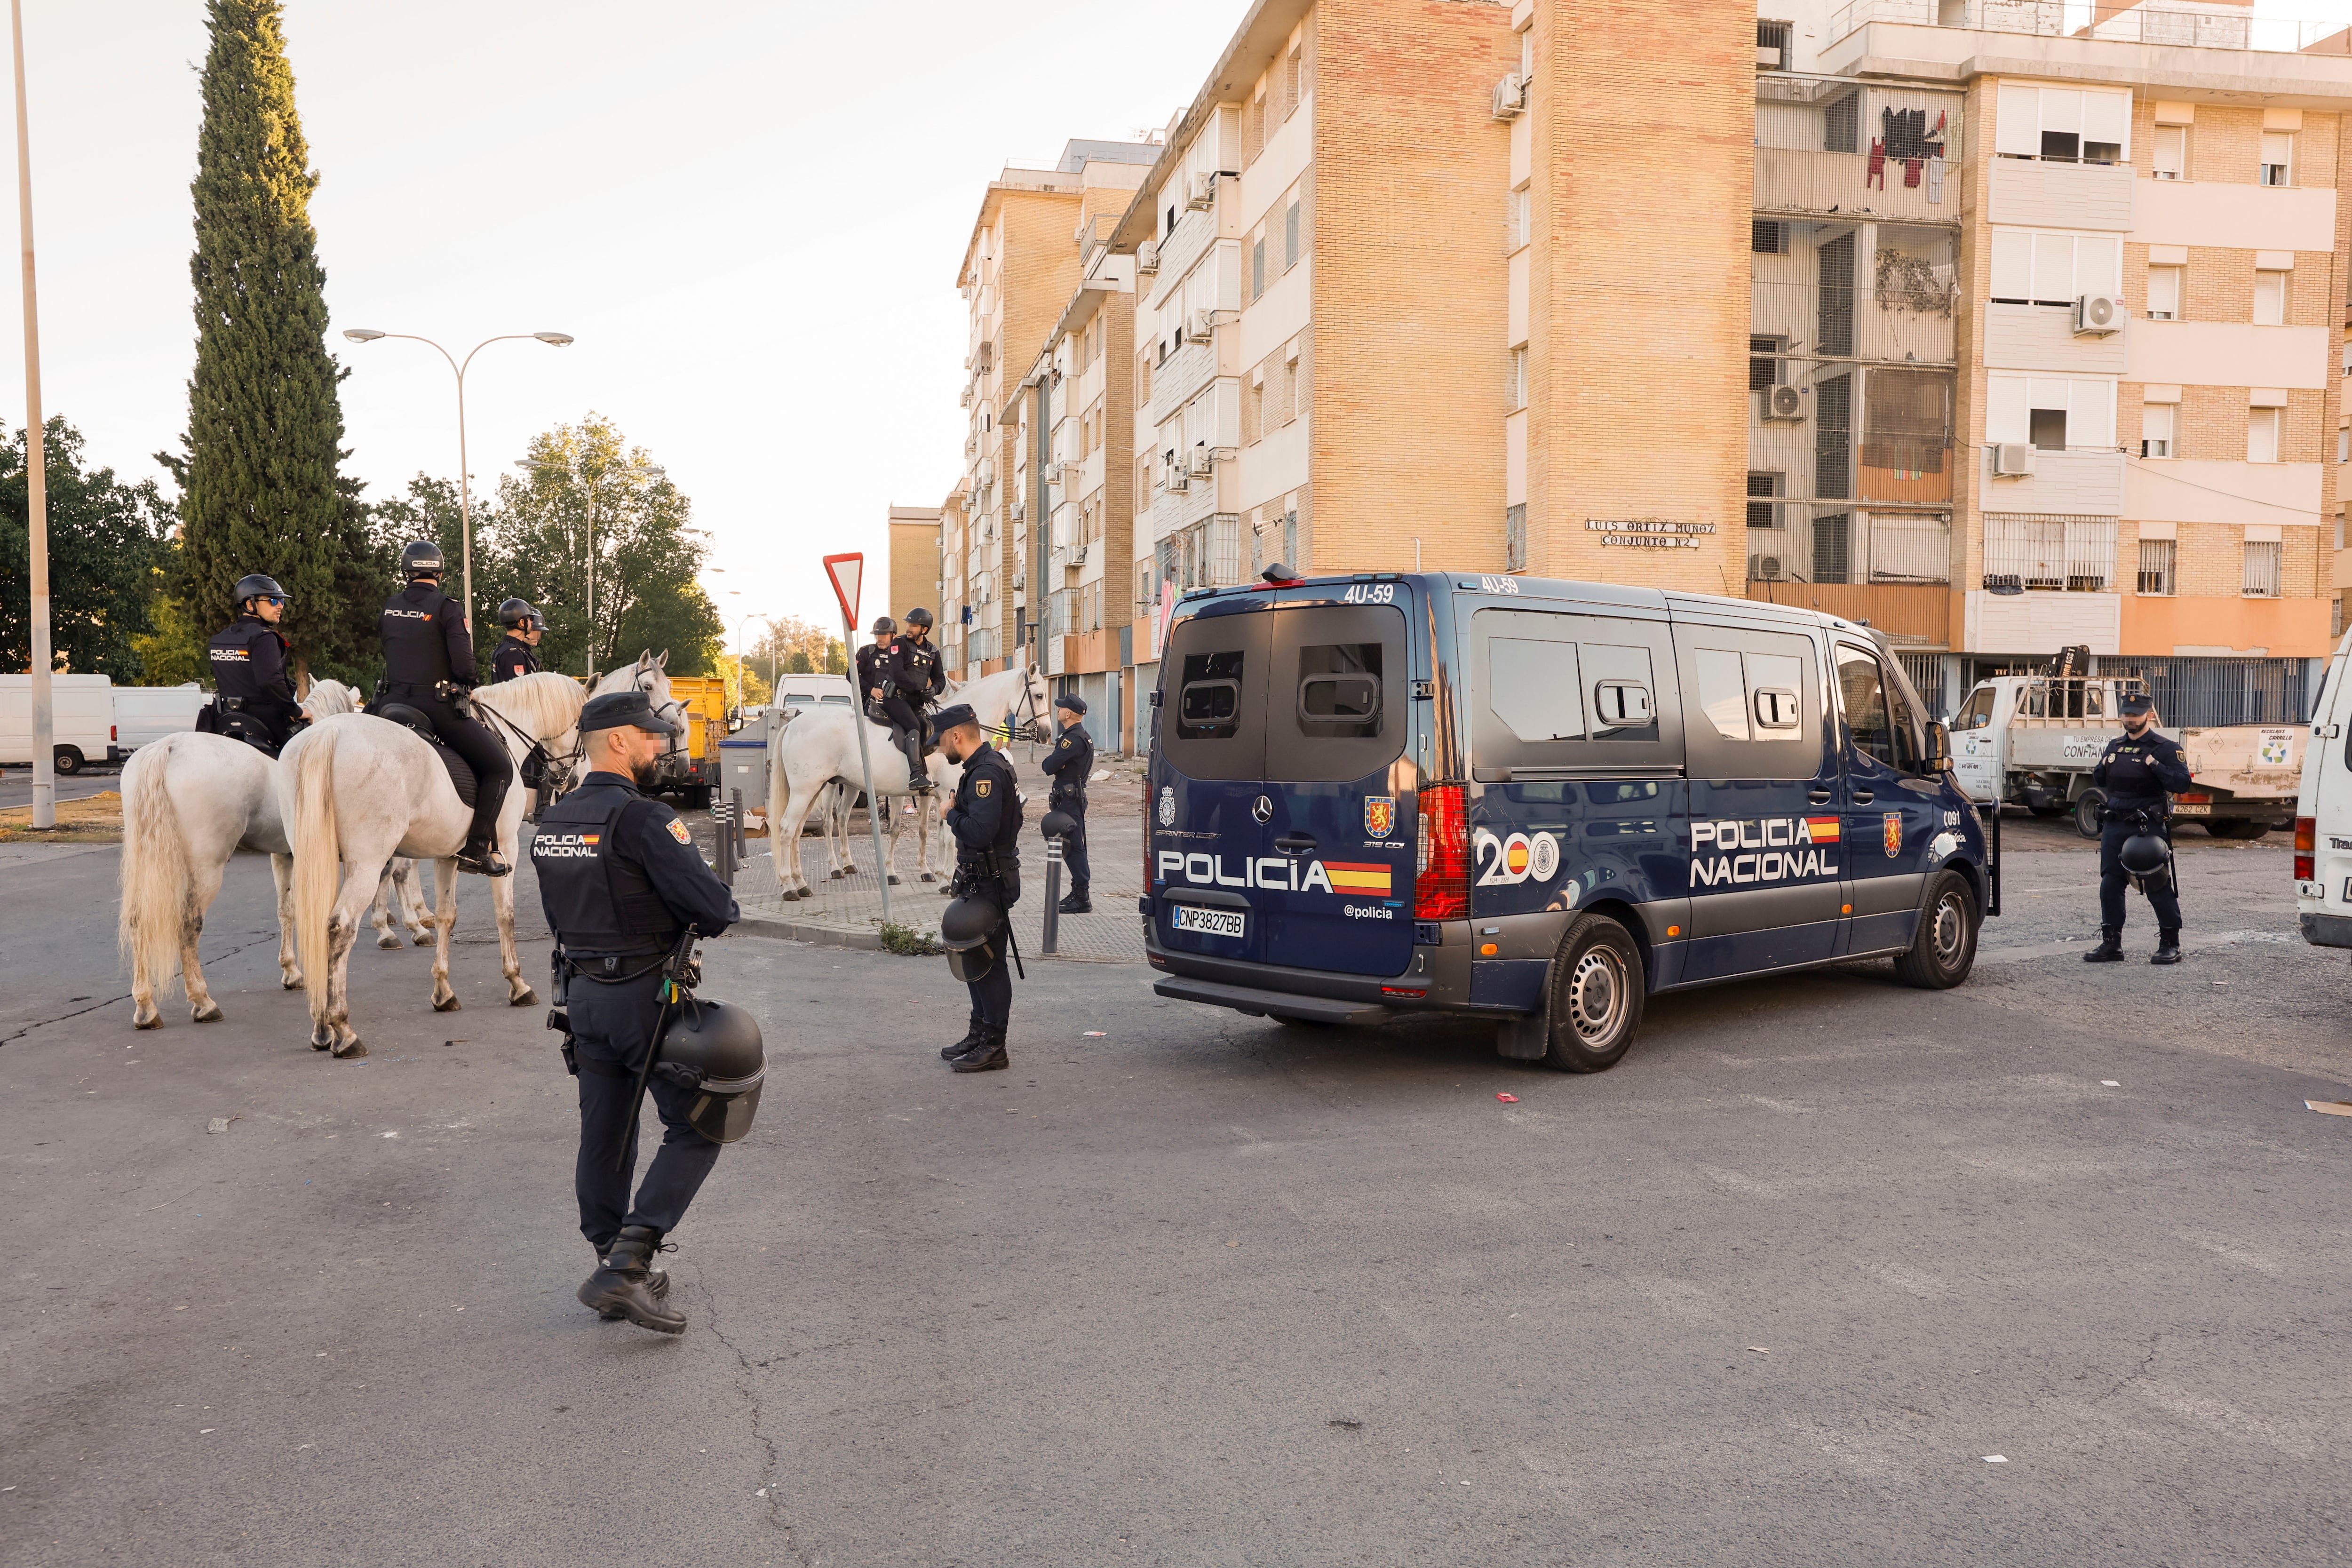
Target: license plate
1207	923
2192	811
2347	890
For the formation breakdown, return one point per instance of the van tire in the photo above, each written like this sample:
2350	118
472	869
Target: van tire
1594	996
2088	811
2236	828
69	759
1944	949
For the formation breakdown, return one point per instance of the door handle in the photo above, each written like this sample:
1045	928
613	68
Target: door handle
1862	797
1295	844
1818	796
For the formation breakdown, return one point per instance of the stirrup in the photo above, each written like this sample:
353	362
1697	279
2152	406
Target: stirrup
484	863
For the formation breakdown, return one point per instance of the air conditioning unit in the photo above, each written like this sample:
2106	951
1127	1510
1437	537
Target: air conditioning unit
987	472
1510	97
2096	315
1199	191
2012	460
1764	569
1200	327
1784	404
1177	479
1077	555
1020	511
1020	581
1147	257
1199	459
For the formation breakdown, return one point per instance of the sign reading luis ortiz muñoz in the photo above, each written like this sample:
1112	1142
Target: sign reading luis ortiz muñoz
1649	533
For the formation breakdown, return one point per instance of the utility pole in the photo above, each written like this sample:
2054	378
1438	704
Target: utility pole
36	473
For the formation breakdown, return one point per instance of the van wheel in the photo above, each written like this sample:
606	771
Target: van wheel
1945	948
2237	828
1598	986
69	759
2087	810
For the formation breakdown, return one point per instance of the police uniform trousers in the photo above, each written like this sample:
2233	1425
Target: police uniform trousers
2162	895
904	717
1074	845
992	993
470	739
612	1030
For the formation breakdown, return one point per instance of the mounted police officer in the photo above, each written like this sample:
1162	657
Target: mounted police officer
249	660
428	665
2139	771
915	677
621	882
514	655
1070	762
985	817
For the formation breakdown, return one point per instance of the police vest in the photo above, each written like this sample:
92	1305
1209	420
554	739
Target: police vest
231	652
415	650
1070	784
513	659
598	902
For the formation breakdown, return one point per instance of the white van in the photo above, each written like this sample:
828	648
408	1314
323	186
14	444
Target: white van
814	690
82	712
144	714
2322	811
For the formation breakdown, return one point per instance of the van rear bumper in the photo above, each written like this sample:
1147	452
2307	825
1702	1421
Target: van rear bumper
1261	1003
2328	930
1438	980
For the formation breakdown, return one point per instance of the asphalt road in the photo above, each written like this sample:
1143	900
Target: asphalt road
1202	1289
16	785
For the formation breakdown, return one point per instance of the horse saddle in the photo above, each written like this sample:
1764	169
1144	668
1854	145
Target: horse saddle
461	777
226	716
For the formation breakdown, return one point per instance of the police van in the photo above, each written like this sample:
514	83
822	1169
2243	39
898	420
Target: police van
1539	802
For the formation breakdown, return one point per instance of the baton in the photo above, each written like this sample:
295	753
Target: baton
996	870
670	992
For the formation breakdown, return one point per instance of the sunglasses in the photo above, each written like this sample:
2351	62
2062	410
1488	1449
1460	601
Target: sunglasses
273	599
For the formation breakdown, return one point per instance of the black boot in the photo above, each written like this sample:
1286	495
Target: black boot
1078	904
918	777
2167	946
656	1276
2110	948
480	856
621	1285
986	1056
971	1036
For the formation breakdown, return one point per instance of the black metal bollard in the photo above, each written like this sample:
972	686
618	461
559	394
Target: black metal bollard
726	845
743	839
1051	939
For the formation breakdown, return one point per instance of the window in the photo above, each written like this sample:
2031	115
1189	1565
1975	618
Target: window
1339	691
1258	264
2155	423
2278	158
1751	695
1978	713
1877	722
2261	569
1841	123
2164	293
1293	78
2169	160
1515	536
1763	370
2089	405
1763	513
2339	531
1532	687
1772	39
2344	446
2092	125
2262	434
1515	391
1522	218
2033	268
2155	559
2270	298
1568	690
2048	429
1768	236
1290	235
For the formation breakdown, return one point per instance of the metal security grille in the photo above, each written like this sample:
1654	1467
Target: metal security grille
2262	577
2194	693
2049	551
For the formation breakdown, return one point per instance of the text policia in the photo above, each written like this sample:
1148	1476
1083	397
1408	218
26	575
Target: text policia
1774	849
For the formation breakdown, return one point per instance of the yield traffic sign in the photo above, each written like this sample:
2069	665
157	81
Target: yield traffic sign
845	572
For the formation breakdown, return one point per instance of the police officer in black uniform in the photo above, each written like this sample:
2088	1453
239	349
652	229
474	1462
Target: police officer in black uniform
620	880
515	654
1070	763
2139	771
873	668
916	676
428	665
985	818
249	660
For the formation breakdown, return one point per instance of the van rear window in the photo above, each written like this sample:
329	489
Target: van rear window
1287	693
1209	702
1339	691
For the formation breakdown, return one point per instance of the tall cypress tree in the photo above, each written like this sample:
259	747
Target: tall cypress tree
258	490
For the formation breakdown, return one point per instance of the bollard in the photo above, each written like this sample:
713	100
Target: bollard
742	841
726	866
1053	913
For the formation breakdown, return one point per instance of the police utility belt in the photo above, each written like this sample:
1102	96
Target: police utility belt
990	870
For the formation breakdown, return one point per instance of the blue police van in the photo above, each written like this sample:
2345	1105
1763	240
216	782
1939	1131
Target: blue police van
1539	802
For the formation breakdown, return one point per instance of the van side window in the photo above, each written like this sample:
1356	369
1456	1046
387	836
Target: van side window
1625	706
1877	717
1722	694
1557	692
1339	691
1532	689
1979	711
1759	696
1209	702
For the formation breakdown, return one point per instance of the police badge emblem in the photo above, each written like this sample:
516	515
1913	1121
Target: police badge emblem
1167	806
1890	829
980	786
1380	815
678	831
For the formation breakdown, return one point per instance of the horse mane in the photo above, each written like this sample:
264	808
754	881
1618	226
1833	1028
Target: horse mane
544	704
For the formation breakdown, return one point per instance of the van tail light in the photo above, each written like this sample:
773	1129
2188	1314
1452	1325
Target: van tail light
114	732
1440	884
2306	834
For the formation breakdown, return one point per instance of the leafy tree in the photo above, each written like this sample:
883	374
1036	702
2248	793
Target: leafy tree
800	647
174	653
105	539
259	483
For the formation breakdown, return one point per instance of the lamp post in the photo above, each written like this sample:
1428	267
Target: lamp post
36	512
594	487
464	495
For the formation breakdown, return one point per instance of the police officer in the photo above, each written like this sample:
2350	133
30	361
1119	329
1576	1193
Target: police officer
248	660
985	818
428	665
514	655
916	676
1070	762
620	880
873	666
2139	770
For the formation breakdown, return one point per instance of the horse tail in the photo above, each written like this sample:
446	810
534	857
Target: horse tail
156	875
317	860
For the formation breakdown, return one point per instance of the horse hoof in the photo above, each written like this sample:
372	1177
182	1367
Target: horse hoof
356	1048
321	1037
390	942
292	982
929	877
894	881
448	1003
527	999
424	939
209	1013
147	1020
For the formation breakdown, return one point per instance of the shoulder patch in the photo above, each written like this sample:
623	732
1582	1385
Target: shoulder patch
678	831
981	786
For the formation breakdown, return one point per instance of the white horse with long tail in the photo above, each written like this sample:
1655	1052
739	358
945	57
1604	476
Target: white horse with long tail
359	789
191	801
820	747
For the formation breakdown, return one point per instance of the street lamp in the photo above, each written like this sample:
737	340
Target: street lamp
640	470
464	495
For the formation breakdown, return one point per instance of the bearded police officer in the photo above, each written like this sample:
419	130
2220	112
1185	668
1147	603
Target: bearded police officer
985	817
1069	763
620	881
915	678
514	657
249	660
2139	771
428	665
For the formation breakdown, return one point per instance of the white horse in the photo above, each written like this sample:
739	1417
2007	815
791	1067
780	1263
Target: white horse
820	747
359	789
190	800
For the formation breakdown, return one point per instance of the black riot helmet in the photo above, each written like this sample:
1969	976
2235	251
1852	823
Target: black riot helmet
920	617
714	1048
256	585
515	612
1058	825
969	930
883	626
2144	854
421	558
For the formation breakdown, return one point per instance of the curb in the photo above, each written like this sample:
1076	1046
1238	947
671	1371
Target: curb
865	938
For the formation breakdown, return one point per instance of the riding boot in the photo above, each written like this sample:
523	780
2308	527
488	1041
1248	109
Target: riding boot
480	856
621	1285
986	1056
971	1036
918	777
656	1276
2167	946
2110	948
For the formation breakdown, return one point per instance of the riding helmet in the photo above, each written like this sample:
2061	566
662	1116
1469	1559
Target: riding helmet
715	1049
884	625
421	558
256	585
515	612
919	616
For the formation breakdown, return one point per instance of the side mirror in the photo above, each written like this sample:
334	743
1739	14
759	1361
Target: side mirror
1940	750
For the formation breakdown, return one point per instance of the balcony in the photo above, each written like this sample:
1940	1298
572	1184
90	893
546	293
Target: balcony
2215	26
2051	193
2075	481
1799	182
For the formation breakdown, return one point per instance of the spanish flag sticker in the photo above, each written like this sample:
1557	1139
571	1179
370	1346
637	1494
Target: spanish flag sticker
1348	878
1822	830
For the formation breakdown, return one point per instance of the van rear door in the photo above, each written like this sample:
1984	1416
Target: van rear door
1208	835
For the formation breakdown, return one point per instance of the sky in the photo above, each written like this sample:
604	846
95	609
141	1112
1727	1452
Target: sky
750	216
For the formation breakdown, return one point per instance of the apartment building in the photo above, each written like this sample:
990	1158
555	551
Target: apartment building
915	573
1021	265
2047	324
